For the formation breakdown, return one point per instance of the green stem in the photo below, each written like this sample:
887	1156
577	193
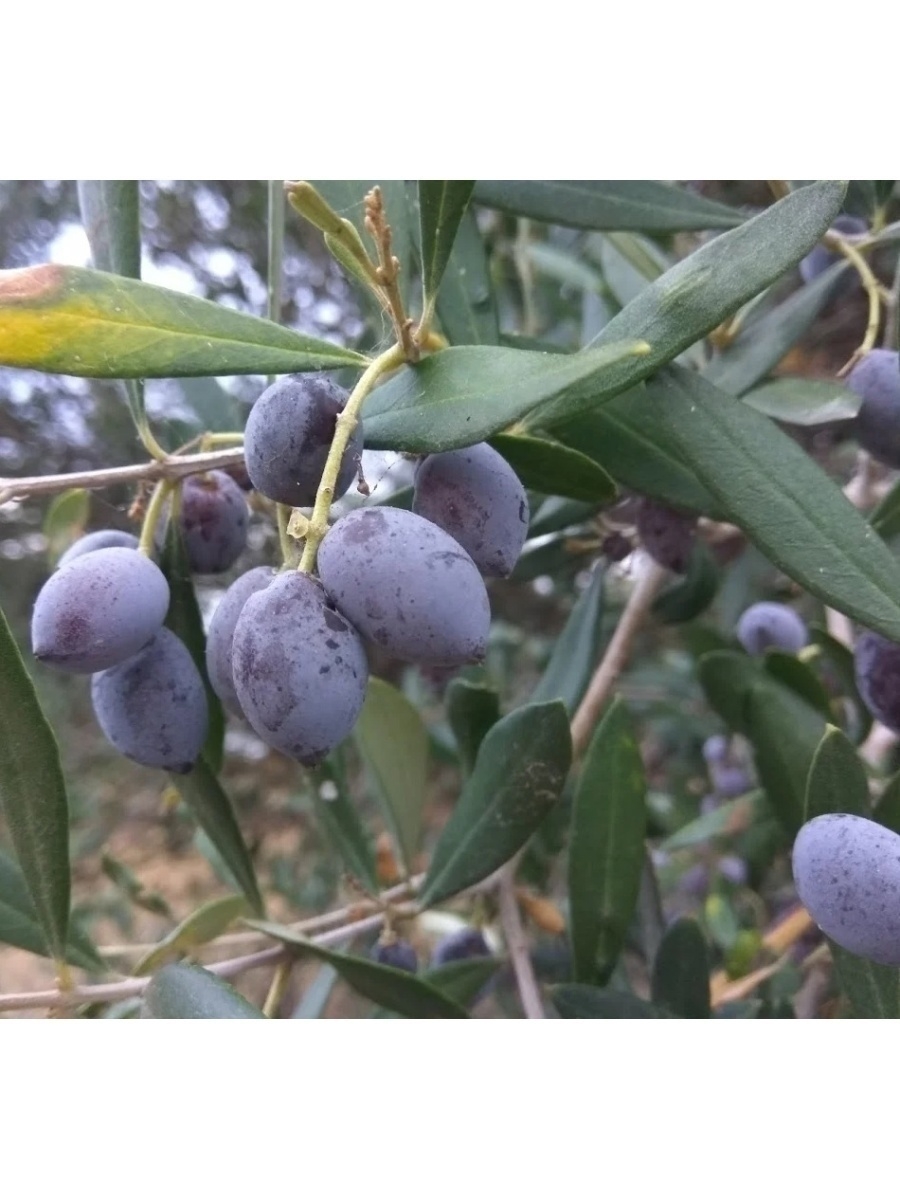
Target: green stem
343	431
279	986
149	442
288	552
151	517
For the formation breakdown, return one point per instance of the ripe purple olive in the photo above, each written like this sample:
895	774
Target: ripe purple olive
220	637
769	626
876	380
288	435
213	519
877	669
300	669
101	539
406	585
476	497
98	610
666	534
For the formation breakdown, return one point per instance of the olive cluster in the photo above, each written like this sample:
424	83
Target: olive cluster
285	650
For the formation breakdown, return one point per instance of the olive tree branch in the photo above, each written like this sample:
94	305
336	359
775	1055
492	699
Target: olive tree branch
517	945
175	467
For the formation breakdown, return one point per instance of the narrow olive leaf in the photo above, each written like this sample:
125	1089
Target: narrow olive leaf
642	204
763	343
65	521
555	514
726	677
699	292
729	818
885	517
553	558
315	998
472	710
465	303
624	437
887	810
211	807
872	989
347	198
623	279
565	266
19	925
781	499
785	734
606	849
76	321
804	401
554	469
33	795
467	393
680	980
518	778
837	779
580	1000
399	991
442	205
393	743
110	212
183	992
691	595
800	678
200	927
839	659
342	824
576	651
465	980
185	621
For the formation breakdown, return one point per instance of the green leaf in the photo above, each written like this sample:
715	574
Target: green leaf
341	821
182	992
472	710
464	980
565	266
887	810
555	514
204	796
184	619
785	733
606	850
347	198
691	595
840	659
316	997
465	394
681	971
837	779
763	343
576	651
885	517
625	437
442	205
728	818
393	743
698	293
618	259
804	401
65	521
726	677
644	204
110	212
33	795
800	678
554	469
200	927
573	1000
518	777
784	503
465	303
872	989
76	321
19	924
399	991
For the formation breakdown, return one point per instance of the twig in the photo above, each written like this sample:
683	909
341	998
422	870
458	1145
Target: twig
167	468
616	656
517	945
123	989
